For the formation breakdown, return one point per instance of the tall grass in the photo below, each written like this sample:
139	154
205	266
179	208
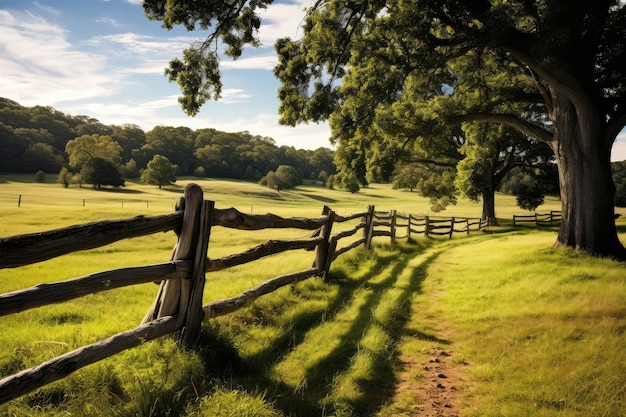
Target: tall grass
537	331
544	331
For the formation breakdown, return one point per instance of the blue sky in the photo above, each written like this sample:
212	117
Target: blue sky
105	59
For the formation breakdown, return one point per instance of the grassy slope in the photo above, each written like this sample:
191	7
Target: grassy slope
541	331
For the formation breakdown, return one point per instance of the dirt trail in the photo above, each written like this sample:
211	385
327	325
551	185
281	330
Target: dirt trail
430	383
432	375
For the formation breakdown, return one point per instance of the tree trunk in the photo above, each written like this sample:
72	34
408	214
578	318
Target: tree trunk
489	206
587	189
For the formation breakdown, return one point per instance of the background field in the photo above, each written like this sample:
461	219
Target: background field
531	330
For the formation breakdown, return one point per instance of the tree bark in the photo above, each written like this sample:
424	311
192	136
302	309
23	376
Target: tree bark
489	206
587	190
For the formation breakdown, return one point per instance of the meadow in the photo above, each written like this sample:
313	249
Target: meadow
523	329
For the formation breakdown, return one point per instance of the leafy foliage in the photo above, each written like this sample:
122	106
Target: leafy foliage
26	145
619	176
159	172
285	177
99	172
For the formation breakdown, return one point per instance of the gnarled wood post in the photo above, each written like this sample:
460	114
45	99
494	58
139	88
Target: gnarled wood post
195	289
368	230
170	297
322	254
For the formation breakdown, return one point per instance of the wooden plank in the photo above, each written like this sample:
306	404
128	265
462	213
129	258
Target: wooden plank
235	219
56	292
341	219
268	248
194	313
323	248
170	298
20	250
228	305
28	380
349	247
349	232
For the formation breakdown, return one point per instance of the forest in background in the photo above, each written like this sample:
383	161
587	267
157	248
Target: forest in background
34	139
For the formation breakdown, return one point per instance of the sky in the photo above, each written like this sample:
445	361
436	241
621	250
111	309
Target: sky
105	59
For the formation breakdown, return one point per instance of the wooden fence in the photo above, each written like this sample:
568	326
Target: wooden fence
178	308
538	218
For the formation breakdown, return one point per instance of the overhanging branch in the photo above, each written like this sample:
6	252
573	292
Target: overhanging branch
510	120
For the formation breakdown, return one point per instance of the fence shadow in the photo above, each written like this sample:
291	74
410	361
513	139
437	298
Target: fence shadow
178	309
365	294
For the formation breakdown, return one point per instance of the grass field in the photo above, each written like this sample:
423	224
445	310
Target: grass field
530	330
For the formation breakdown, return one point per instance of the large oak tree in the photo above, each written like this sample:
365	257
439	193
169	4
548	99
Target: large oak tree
564	60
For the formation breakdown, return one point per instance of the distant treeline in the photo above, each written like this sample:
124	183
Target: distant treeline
619	177
34	139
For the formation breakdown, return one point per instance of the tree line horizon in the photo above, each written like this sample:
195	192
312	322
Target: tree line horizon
44	139
83	150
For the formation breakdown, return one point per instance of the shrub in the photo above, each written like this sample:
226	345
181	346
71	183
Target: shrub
40	177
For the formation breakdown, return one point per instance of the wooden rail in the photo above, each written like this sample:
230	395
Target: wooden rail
178	306
538	218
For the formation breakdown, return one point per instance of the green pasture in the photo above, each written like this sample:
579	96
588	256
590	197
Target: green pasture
532	330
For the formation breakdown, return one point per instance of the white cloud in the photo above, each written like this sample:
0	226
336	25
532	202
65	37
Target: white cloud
39	65
262	62
48	9
108	21
282	20
234	95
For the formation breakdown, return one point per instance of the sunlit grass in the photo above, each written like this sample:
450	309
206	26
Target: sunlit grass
545	333
538	331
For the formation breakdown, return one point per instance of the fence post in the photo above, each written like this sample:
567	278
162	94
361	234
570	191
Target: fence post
369	227
467	226
426	225
514	220
393	226
408	230
323	248
451	227
195	288
168	301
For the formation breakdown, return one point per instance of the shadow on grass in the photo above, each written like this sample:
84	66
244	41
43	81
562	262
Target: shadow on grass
318	197
118	190
317	398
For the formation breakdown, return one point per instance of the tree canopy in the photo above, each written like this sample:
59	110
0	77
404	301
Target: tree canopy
27	146
552	69
159	172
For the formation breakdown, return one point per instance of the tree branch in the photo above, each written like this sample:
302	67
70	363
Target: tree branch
432	162
562	82
510	120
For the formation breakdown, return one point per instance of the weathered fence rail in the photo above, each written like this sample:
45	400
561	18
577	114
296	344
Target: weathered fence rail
538	218
178	307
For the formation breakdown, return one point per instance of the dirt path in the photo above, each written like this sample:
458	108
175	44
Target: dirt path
430	383
432	375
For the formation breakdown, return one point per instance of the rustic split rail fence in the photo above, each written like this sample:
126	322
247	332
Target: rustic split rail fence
178	308
538	218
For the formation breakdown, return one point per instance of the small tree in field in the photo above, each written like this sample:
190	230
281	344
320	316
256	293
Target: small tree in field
40	176
65	177
99	172
159	172
323	177
285	177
